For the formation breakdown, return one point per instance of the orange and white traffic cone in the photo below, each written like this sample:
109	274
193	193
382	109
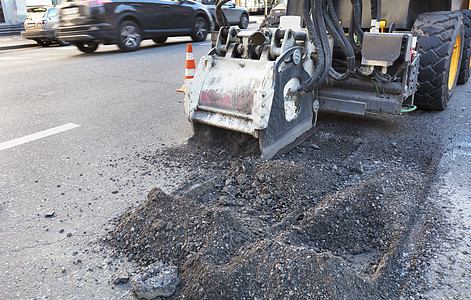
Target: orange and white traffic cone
190	66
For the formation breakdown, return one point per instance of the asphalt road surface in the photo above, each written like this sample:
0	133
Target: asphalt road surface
65	117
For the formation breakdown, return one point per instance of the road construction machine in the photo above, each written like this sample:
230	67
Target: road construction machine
330	55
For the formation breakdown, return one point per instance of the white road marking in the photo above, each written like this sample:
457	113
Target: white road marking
37	136
11	58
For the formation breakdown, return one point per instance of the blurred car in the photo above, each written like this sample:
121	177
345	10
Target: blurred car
40	25
235	15
126	23
272	20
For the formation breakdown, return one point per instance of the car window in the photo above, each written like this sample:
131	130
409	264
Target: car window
36	13
39	10
213	2
52	13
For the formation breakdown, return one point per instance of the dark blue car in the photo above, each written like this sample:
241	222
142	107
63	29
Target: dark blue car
126	23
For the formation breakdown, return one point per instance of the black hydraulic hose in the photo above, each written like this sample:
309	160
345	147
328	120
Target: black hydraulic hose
333	31
379	10
318	17
320	20
336	30
335	21
312	83
351	35
357	14
220	16
376	9
377	13
355	25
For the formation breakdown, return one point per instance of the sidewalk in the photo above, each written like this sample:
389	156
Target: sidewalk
256	18
15	42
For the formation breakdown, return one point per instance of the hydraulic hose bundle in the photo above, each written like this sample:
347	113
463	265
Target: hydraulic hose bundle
315	23
376	10
355	21
355	25
320	17
336	31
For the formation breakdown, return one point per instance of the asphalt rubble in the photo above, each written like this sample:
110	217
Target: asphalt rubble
345	215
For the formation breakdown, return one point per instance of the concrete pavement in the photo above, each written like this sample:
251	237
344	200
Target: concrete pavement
15	42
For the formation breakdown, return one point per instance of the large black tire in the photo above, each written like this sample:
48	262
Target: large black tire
244	21
438	33
87	47
200	29
129	36
466	60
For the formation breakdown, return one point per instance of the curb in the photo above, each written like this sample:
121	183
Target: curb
8	42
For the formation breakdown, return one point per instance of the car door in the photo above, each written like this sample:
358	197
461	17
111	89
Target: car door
150	12
176	15
53	17
211	7
231	13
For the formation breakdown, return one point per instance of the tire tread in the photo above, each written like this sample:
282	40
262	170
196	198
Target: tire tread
435	32
464	74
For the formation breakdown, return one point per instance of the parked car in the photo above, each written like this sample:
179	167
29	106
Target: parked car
273	19
40	25
126	23
235	15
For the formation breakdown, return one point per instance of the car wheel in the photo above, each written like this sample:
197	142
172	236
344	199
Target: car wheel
129	36
87	47
44	43
200	29
244	21
160	39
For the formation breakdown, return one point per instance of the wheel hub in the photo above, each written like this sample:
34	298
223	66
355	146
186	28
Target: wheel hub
130	36
454	63
200	30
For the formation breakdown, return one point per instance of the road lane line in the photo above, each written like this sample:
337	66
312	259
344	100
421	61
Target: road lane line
37	136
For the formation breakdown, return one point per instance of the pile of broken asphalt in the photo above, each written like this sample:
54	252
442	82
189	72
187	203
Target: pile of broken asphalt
340	216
